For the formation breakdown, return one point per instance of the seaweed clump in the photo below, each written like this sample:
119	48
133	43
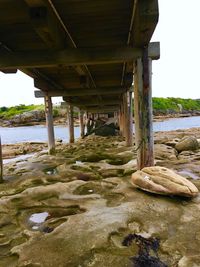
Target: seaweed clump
145	245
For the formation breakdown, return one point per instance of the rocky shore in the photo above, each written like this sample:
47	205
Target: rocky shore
37	117
78	207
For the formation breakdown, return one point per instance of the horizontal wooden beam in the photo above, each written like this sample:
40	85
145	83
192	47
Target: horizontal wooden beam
75	56
101	109
82	92
48	26
96	109
9	71
92	102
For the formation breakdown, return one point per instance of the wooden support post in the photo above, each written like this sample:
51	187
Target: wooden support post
82	124
71	123
143	111
129	133
1	163
125	119
121	120
49	123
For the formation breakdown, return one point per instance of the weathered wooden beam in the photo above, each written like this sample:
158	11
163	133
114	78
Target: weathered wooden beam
145	21
47	26
34	73
45	21
72	57
92	102
49	124
82	91
143	112
10	71
70	123
102	109
50	27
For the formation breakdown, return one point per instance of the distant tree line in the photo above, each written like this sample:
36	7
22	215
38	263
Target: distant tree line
160	106
174	105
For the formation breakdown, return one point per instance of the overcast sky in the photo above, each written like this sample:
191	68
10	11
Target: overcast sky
175	74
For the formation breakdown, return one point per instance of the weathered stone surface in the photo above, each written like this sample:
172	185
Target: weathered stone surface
89	215
172	142
187	143
164	181
162	151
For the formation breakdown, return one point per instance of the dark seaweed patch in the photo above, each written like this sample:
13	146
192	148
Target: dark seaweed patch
145	246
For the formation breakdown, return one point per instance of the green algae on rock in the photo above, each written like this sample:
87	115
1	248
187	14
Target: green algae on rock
92	207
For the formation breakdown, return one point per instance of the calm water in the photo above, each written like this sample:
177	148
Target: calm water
34	133
39	133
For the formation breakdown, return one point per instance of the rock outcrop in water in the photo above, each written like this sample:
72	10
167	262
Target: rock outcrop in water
89	207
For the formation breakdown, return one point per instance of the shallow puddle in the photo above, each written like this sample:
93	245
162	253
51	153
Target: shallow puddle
36	220
50	171
18	158
188	174
46	221
79	163
39	217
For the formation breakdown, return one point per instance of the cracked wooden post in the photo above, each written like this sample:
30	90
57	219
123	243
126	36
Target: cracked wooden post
1	163
82	124
129	132
70	111
49	123
122	119
125	117
143	111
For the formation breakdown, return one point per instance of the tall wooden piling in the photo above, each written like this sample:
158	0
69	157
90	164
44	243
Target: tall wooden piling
129	131
1	163
82	124
120	120
143	111
70	111
49	123
125	119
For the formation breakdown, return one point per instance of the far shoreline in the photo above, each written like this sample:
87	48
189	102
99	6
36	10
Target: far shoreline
63	122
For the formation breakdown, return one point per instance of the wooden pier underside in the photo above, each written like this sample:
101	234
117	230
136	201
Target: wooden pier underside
85	51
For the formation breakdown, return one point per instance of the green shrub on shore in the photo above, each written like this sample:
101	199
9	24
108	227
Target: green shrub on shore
9	112
173	104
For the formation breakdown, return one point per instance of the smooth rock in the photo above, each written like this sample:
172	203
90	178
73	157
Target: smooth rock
172	142
162	151
160	180
187	143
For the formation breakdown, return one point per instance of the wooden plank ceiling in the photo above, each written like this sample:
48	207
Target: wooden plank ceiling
40	27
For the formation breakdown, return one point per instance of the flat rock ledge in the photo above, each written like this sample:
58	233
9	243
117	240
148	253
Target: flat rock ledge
161	180
77	208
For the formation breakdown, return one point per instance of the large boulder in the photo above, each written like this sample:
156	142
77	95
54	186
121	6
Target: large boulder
187	143
163	181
